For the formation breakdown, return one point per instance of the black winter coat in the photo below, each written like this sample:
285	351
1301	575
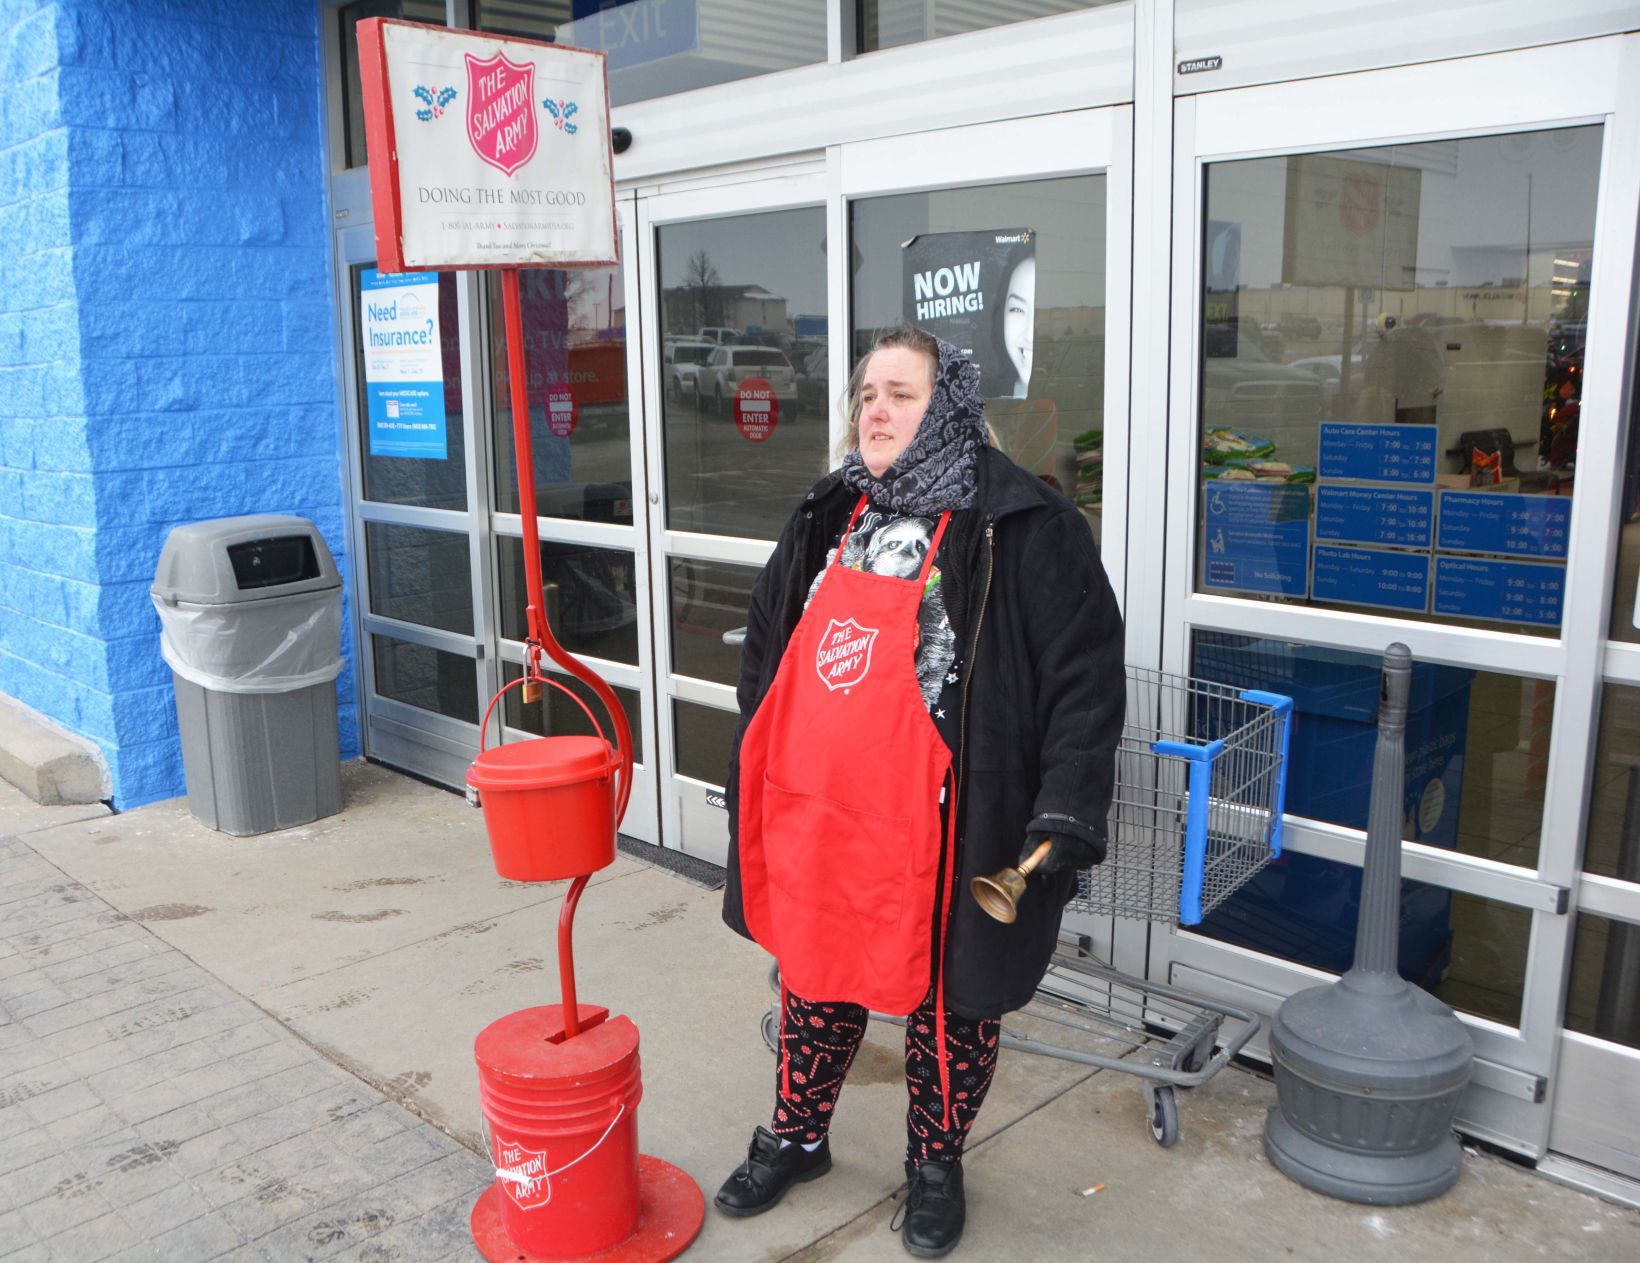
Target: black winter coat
1041	642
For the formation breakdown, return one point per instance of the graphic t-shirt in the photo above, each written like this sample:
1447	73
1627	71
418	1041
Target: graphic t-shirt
897	544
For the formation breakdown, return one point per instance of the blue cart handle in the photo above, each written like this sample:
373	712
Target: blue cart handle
1283	707
1200	758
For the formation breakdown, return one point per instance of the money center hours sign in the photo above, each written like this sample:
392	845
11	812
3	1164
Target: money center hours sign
484	151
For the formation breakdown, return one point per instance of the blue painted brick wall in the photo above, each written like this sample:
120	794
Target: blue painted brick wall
165	334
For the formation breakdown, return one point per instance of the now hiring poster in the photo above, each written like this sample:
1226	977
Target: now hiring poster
977	290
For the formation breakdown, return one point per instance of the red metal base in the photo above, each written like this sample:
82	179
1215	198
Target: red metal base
670	1210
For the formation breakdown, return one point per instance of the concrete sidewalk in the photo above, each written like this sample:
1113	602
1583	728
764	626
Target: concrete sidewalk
337	974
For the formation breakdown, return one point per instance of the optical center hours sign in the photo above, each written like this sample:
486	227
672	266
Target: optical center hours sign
485	152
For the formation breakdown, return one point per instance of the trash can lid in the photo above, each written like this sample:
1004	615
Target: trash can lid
226	561
543	763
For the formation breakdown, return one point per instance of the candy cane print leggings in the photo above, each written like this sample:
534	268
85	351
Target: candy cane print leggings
818	1040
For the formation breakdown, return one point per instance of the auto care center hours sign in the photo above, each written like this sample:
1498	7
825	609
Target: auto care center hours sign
485	152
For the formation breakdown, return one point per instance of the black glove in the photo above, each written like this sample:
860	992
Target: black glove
1066	852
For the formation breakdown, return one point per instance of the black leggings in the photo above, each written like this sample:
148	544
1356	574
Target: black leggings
818	1040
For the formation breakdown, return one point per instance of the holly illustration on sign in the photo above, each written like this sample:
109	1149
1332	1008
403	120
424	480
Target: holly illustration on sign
435	103
562	112
757	409
500	120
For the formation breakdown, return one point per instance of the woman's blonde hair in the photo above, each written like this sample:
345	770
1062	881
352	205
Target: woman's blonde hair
906	336
912	339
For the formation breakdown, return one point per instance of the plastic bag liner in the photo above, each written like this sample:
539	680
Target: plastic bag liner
271	646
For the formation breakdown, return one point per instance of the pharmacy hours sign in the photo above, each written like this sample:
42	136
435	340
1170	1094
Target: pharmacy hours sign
485	152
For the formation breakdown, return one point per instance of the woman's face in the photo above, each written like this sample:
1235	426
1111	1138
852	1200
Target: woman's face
894	394
1018	325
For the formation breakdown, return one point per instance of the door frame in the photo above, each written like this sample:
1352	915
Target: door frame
641	820
1076	142
429	744
692	813
1556	86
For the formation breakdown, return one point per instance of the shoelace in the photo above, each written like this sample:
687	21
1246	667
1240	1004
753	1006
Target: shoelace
744	1173
913	1200
917	1190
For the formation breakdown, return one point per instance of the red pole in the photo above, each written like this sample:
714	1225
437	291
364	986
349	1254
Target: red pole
566	955
535	619
540	635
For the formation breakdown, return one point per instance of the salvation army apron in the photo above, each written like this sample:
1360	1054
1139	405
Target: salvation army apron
842	773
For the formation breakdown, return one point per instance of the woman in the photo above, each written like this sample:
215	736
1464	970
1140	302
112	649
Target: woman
931	684
1016	318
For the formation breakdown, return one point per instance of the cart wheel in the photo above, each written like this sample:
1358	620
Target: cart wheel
771	1030
1197	1057
1164	1118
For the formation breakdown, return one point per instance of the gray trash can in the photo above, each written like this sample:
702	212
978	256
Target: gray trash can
250	615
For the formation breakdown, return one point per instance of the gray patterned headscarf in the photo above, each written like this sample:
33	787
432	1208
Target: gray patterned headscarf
937	471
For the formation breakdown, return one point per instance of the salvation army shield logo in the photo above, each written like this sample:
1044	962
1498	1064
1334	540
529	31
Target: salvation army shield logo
523	1173
500	111
1359	203
844	655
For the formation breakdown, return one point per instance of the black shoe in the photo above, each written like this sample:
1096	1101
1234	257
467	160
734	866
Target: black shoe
769	1170
934	1209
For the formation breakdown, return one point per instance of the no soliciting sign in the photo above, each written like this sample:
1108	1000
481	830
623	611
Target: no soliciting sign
485	152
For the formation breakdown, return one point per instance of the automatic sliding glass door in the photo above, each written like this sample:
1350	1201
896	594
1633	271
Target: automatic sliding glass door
736	297
1386	367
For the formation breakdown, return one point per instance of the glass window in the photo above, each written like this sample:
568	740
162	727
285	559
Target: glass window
1392	347
702	736
1468	951
744	440
580	418
431	471
1612	847
429	11
657	47
431	679
420	576
1603	999
709	598
1625	601
591	596
890	23
1477	743
555	715
1020	269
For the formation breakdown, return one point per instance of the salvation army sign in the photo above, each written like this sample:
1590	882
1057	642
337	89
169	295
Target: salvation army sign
485	152
501	111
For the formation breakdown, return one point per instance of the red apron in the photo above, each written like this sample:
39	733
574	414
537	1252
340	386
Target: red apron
842	773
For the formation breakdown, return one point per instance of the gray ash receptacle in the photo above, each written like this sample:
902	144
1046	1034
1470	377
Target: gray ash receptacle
1370	1069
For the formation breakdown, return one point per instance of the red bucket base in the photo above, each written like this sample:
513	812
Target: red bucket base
670	1210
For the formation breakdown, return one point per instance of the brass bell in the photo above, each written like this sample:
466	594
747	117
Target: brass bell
999	894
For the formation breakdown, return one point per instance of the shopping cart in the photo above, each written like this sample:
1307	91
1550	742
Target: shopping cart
1197	810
